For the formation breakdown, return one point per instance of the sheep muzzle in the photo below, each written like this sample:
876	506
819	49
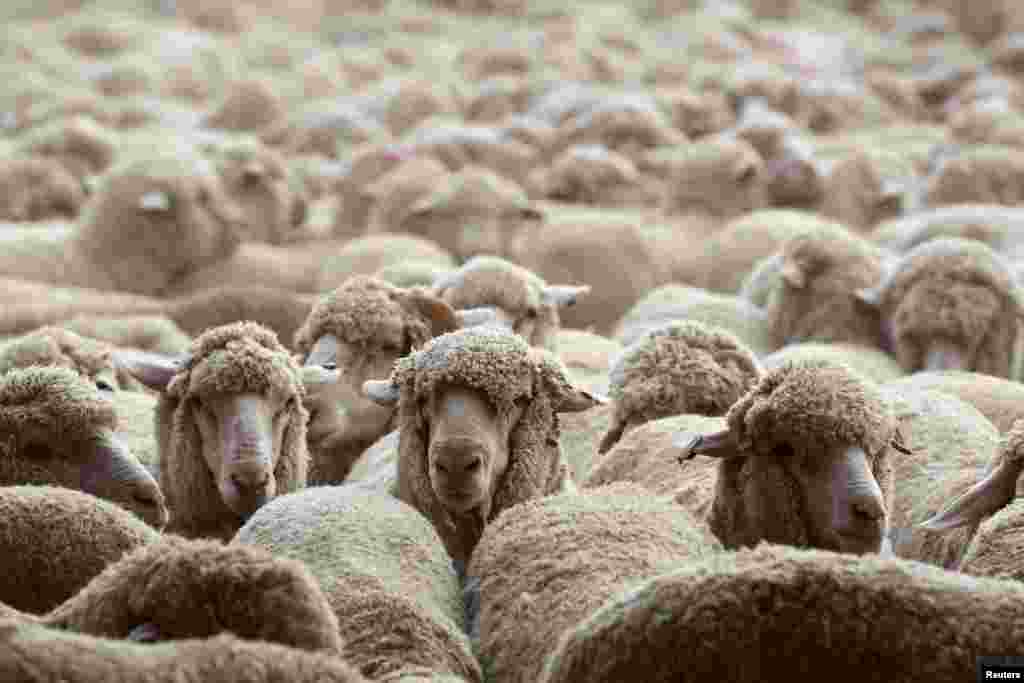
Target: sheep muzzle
112	471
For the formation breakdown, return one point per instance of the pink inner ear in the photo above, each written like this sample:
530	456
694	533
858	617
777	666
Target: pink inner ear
888	336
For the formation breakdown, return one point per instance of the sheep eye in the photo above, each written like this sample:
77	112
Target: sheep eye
531	313
104	385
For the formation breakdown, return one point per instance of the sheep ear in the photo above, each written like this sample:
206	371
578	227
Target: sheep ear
611	437
871	297
723	444
577	400
441	317
983	499
381	391
793	275
153	370
563	296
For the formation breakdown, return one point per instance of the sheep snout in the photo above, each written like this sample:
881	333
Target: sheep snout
943	355
113	472
247	480
456	472
859	514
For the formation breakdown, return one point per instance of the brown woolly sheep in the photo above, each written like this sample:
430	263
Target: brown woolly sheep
545	564
478	419
873	363
265	188
150	224
680	368
55	540
880	619
385	574
35	654
999	399
230	424
394	194
473	211
524	303
59	429
976	175
826	436
38	189
610	254
248	105
812	298
951	446
950	304
717	179
87	357
593	174
175	589
457	145
366	164
325	129
856	195
362	328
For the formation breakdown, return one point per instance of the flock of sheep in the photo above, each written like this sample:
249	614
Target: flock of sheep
491	342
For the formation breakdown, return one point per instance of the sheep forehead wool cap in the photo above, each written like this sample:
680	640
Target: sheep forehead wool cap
54	398
362	311
810	402
57	346
492	281
238	358
952	258
485	358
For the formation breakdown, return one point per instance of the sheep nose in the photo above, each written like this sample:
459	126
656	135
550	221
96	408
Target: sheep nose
250	482
459	458
867	509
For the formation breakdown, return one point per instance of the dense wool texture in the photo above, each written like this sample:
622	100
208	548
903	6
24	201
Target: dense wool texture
873	363
594	175
806	406
411	273
36	654
197	589
89	358
506	369
959	291
55	540
371	315
980	174
951	445
1000	400
366	255
775	614
385	574
995	550
36	189
546	564
813	300
679	368
648	456
243	357
493	281
154	333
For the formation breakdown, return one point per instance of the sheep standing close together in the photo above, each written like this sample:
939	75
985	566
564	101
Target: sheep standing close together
485	342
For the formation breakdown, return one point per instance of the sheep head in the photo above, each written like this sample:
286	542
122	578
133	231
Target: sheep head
804	461
949	304
59	429
152	223
524	303
991	494
477	410
236	423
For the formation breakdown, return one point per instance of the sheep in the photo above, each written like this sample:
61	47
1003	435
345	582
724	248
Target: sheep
457	145
679	302
812	297
592	174
323	129
980	175
857	195
816	612
38	189
259	181
950	446
384	571
873	363
248	105
58	428
173	589
411	273
679	368
545	564
36	654
473	211
81	145
87	357
950	304
394	194
57	540
716	179
363	327
366	164
488	436
179	222
999	399
997	226
495	98
605	251
230	424
800	413
525	303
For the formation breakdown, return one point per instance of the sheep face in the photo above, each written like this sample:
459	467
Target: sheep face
259	183
468	448
242	437
99	464
360	418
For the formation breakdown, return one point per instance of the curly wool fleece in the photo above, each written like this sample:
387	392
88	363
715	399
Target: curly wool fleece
57	346
54	398
363	311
